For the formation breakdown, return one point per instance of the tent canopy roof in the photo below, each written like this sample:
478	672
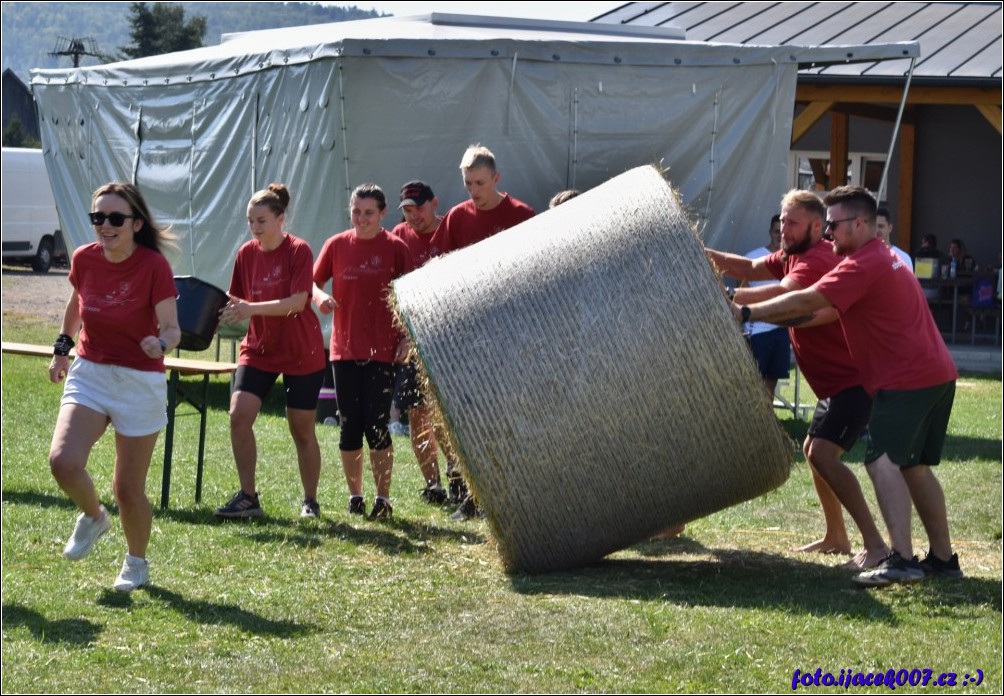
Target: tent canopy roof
458	36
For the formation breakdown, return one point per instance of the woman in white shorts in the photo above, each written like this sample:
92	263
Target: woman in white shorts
122	310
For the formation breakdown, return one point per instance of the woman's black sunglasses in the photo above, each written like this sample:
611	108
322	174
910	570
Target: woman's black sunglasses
116	219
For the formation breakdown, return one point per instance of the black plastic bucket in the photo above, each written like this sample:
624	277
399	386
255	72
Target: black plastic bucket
199	305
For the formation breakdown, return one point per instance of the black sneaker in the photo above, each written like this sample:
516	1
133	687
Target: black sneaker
382	510
458	489
893	569
357	506
310	509
434	494
935	567
241	505
468	510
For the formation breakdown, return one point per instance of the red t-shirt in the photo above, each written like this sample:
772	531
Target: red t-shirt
821	351
361	271
465	224
291	345
422	246
117	301
886	320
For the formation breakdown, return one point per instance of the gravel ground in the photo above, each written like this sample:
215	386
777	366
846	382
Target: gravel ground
42	295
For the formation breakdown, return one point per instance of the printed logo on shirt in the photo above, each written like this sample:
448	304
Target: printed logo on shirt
270	280
371	266
115	298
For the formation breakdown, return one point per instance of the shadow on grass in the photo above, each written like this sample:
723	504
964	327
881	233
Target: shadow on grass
397	536
393	537
964	447
213	613
755	580
48	500
79	632
35	499
797	429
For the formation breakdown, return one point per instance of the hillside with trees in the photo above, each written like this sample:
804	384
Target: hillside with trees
31	30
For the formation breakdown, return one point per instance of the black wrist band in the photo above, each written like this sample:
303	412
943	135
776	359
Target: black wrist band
744	312
63	345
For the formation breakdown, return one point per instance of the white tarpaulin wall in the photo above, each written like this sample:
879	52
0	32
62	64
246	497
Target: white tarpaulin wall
324	108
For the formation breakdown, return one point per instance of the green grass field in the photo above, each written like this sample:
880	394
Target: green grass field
421	604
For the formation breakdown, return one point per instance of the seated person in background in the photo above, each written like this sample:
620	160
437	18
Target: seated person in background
769	342
964	262
1000	278
883	225
928	248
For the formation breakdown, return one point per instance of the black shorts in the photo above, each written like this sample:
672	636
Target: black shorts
842	418
301	390
409	394
772	350
365	390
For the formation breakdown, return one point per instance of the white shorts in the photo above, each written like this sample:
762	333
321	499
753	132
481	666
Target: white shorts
134	400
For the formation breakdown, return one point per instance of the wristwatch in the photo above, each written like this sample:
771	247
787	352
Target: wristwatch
163	346
744	312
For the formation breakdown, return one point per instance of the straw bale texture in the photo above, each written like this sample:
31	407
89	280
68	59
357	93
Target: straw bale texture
592	377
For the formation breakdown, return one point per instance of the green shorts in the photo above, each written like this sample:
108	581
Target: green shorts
910	425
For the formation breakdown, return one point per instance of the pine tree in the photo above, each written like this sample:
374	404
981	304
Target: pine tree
16	135
162	29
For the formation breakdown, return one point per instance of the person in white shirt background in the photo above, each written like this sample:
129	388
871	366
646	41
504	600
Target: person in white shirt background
883	225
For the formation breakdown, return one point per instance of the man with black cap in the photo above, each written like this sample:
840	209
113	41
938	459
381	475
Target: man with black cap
421	221
419	204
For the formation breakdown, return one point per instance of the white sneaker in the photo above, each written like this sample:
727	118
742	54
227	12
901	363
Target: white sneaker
86	532
135	573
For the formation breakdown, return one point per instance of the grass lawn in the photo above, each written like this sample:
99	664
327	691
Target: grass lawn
421	604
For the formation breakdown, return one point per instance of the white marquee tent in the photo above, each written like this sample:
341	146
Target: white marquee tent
324	108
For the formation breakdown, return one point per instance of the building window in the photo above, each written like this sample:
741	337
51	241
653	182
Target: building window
811	170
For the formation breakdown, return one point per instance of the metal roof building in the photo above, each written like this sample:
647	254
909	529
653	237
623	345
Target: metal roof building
945	172
959	41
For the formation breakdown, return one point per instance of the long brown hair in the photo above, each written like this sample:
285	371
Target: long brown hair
151	235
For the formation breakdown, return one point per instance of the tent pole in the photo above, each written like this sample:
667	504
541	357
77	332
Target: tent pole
575	135
139	145
895	132
191	176
345	130
254	143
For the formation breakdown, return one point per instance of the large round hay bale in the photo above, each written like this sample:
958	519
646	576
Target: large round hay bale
592	376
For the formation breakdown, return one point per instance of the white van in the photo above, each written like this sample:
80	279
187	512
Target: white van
30	225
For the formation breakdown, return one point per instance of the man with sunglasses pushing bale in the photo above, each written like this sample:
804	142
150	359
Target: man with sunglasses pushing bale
805	256
905	367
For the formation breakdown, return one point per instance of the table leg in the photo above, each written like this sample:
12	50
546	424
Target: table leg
955	307
203	408
172	404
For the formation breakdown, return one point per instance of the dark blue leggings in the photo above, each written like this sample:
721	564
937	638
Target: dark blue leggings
364	391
